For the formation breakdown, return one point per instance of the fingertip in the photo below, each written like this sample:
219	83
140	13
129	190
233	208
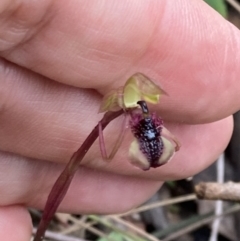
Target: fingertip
15	223
201	146
194	55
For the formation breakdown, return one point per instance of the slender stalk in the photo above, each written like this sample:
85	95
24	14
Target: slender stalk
63	182
218	203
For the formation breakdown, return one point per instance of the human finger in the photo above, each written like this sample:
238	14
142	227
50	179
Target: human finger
91	191
15	217
49	121
185	46
107	182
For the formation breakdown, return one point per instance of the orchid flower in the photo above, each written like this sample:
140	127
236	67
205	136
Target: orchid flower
153	144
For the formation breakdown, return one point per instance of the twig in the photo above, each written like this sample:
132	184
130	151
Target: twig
59	236
181	225
76	226
90	228
108	224
200	223
134	228
79	227
234	4
171	201
229	191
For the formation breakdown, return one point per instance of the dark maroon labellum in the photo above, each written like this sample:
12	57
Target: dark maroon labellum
147	130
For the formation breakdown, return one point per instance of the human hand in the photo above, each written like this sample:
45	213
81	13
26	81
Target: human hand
58	58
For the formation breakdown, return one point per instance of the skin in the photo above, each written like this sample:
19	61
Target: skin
57	60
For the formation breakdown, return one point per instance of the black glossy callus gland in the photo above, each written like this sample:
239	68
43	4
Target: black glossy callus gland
149	139
147	130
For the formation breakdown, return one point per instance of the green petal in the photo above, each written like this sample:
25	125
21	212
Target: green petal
140	87
112	101
131	93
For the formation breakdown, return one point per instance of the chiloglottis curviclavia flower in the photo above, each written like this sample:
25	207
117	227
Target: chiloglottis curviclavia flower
153	144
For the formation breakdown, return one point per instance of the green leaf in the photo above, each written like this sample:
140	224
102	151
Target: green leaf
219	5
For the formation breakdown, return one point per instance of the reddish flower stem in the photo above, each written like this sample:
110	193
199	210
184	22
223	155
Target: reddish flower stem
63	182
